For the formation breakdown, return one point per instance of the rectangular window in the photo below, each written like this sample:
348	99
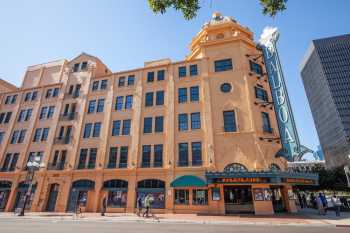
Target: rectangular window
158	122
97	130
92	158
158	155
223	65
82	158
7	100
87	130
146	156
104	84
256	68
7	117
22	135
37	135
84	65
2	117
6	162
21	115
34	95
45	134
92	105
121	81
128	102
43	112
14	161
1	136
194	91
56	91
123	160
119	103
182	71
261	94
147	125
183	121
196	154
181	197
160	75
112	161
76	67
50	112
100	105
29	114
150	77
126	127
149	99
196	120
182	92
116	128
193	70
27	96
200	197
159	97
131	80
266	122
229	121
183	155
95	85
48	93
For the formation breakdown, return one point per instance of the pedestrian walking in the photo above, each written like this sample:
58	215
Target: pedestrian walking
104	206
148	201
304	200
319	205
324	202
139	205
336	204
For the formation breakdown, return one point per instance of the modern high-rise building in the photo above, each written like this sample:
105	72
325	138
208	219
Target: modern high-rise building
199	135
325	71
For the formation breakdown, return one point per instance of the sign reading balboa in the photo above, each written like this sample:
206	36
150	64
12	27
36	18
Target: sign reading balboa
292	150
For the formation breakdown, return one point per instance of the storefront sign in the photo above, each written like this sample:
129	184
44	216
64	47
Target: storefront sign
284	114
243	180
299	181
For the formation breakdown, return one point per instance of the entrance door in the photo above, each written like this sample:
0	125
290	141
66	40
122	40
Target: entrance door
238	199
3	199
277	199
77	198
51	201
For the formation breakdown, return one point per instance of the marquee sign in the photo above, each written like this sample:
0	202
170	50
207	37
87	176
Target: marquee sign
284	114
243	180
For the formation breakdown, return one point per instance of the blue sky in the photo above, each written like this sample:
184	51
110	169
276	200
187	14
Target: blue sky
125	34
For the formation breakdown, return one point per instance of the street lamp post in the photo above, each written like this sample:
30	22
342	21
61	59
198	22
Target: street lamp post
32	167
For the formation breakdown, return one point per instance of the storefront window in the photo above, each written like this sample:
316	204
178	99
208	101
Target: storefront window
157	197
200	197
117	199
182	197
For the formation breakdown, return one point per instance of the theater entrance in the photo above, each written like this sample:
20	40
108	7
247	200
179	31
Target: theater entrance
238	199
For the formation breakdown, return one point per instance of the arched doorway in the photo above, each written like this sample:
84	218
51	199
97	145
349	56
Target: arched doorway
52	198
78	196
117	193
153	187
5	189
22	189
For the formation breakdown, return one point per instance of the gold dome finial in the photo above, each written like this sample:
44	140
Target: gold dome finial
216	15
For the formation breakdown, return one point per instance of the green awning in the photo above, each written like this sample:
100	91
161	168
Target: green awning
188	181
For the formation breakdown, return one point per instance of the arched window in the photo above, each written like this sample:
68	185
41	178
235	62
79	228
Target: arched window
151	183
235	167
83	184
274	167
5	184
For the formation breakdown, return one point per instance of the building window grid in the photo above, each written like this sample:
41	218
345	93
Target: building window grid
223	65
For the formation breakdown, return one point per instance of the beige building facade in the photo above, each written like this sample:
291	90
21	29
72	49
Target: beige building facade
199	135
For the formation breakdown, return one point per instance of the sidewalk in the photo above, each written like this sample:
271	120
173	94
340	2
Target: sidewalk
305	217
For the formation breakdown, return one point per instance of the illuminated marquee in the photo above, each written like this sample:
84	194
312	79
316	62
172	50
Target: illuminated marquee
285	120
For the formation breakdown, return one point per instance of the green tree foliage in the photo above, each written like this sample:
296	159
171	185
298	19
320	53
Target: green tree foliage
189	8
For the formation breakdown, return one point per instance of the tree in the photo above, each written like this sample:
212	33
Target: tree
189	8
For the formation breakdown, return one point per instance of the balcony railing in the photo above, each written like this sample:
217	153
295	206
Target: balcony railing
68	116
267	129
63	140
56	166
195	163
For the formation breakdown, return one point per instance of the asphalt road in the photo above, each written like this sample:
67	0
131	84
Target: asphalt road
70	226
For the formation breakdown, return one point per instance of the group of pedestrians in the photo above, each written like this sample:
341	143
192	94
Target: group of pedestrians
146	203
322	204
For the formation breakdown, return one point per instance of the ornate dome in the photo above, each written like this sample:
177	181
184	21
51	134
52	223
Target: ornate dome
217	18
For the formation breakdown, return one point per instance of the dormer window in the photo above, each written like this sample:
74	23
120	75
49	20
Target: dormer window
76	67
84	65
80	66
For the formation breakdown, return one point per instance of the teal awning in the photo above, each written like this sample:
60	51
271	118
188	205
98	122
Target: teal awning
188	181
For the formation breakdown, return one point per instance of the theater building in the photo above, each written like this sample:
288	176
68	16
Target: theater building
200	135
